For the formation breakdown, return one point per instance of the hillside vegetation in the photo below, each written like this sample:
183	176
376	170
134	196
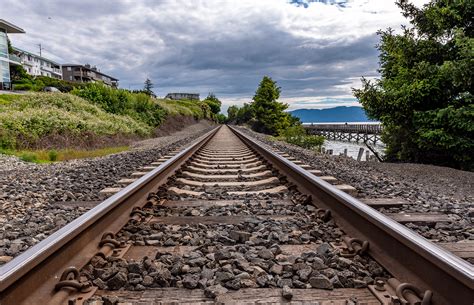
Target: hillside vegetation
90	117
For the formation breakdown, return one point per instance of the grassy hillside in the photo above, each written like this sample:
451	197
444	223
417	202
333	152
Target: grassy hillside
25	119
101	118
196	109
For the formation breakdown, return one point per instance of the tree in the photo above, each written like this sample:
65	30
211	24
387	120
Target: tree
213	102
269	114
19	74
147	88
245	114
221	118
424	96
232	113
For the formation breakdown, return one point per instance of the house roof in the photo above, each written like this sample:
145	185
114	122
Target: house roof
9	27
90	69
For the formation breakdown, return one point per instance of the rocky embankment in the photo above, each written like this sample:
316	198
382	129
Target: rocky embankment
37	199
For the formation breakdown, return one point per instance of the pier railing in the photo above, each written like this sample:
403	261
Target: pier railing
347	132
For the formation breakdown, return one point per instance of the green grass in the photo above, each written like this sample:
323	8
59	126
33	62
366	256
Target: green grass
6	99
49	156
193	108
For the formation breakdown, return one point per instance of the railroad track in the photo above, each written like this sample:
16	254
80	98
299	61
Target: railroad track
228	221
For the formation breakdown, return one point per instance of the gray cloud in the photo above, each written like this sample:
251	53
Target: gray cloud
314	51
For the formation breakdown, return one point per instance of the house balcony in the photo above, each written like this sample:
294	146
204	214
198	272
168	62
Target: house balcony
14	59
81	74
51	70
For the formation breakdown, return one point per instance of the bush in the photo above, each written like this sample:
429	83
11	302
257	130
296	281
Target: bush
25	86
119	101
297	135
62	85
52	155
28	157
7	139
221	118
197	109
214	103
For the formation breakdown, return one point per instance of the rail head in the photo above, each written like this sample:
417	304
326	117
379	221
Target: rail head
13	272
450	277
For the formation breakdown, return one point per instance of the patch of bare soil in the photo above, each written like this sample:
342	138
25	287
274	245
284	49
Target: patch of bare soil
85	140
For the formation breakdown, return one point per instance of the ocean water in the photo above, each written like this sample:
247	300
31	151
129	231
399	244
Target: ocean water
352	148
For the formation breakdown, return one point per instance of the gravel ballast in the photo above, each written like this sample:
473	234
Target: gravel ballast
37	199
225	257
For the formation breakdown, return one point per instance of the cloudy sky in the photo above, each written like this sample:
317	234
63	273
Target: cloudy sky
315	49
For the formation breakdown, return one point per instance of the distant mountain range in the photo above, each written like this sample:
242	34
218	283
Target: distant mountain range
337	114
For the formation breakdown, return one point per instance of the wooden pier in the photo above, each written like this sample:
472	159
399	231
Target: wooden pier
347	132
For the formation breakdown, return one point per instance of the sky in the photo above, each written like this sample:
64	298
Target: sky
316	50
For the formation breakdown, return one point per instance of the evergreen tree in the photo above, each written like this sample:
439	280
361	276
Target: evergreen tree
269	114
148	87
424	97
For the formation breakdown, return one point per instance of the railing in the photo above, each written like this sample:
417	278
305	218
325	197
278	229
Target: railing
14	58
348	128
51	69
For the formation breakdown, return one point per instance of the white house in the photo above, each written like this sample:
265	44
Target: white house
37	65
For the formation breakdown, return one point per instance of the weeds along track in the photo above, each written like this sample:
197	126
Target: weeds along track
227	221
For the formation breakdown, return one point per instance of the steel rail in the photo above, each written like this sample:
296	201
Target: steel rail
405	254
30	277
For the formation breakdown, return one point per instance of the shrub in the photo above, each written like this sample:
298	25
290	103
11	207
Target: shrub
7	139
25	86
52	155
119	101
297	135
197	109
28	157
62	85
214	103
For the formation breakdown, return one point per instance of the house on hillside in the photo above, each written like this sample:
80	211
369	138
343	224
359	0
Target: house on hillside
87	74
37	65
7	59
182	96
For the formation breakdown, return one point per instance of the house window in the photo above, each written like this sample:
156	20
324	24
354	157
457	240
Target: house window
3	45
70	77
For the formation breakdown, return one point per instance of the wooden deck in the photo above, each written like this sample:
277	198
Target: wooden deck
347	132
